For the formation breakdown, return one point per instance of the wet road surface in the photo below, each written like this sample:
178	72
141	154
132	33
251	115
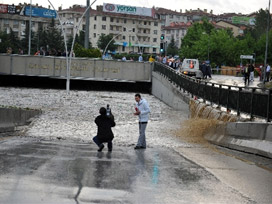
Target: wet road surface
35	171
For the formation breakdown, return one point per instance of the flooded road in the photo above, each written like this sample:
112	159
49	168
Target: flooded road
34	171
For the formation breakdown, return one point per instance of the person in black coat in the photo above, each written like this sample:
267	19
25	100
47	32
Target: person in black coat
104	133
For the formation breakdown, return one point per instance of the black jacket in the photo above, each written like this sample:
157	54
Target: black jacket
104	124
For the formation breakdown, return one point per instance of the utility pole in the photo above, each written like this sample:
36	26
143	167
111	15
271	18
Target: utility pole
266	44
87	25
29	33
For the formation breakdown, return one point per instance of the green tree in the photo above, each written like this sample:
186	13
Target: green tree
172	49
54	38
104	40
25	40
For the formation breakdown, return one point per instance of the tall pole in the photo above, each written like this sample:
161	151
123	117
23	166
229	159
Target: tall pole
29	33
266	44
87	19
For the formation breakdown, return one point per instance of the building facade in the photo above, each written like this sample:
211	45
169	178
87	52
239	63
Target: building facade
132	33
16	19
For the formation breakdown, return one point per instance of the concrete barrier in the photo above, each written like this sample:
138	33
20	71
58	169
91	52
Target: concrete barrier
12	117
81	68
244	136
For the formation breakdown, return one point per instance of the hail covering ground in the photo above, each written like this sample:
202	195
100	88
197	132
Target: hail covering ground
72	116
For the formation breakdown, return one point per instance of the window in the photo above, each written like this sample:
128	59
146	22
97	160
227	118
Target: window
123	48
103	27
104	18
94	35
117	20
154	50
154	39
94	26
95	17
63	15
133	30
6	21
133	38
170	16
15	22
124	37
155	23
111	19
111	27
144	30
125	20
124	29
149	23
133	22
155	32
168	31
145	22
76	19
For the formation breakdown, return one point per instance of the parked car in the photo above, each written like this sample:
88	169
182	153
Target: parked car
190	67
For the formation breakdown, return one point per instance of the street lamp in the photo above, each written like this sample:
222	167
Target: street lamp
111	41
69	58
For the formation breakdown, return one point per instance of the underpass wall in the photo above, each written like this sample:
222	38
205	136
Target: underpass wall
81	68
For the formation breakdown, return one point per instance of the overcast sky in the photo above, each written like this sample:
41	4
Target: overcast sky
218	6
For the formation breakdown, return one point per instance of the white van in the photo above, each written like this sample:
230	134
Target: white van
190	67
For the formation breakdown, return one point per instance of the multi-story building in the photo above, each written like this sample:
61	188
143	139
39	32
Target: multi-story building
15	18
168	16
132	33
175	31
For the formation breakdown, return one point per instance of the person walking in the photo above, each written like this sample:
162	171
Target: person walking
142	111
104	133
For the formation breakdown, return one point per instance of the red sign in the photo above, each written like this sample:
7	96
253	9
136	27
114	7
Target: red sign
3	8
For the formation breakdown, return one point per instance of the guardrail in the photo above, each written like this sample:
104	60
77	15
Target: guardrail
253	101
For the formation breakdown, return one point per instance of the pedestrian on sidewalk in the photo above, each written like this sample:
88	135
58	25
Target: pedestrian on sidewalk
142	110
104	133
246	74
267	74
251	70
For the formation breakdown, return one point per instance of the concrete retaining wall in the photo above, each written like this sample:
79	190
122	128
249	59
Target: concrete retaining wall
168	93
12	117
250	137
81	68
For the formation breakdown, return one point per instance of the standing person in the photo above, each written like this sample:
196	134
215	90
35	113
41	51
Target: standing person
246	74
208	70
104	133
203	69
142	110
140	58
164	60
267	72
251	70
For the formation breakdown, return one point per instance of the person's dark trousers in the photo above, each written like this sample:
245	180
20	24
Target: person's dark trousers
246	79
267	74
96	140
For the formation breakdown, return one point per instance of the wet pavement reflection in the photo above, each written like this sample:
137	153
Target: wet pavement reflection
34	171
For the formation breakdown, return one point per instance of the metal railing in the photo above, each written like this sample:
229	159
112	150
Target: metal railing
253	101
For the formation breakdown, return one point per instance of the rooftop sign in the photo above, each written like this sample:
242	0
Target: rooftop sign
122	9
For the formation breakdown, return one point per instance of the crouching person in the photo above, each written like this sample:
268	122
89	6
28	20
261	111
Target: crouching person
104	133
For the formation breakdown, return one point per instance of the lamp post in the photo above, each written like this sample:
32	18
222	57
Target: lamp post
29	33
266	44
69	58
111	41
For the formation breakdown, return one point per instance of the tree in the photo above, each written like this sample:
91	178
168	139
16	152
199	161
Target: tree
54	38
79	39
104	40
172	49
25	40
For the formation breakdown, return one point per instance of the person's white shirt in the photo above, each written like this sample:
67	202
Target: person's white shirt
268	68
124	59
140	58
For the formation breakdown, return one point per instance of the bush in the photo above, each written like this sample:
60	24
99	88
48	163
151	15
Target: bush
83	52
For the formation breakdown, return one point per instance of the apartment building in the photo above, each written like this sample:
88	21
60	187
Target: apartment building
177	31
15	18
132	32
168	16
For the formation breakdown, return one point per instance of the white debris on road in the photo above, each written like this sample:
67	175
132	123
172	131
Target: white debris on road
72	116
